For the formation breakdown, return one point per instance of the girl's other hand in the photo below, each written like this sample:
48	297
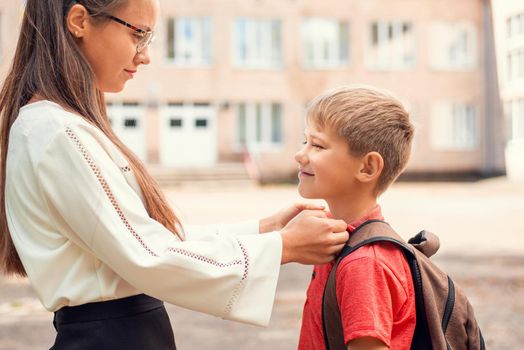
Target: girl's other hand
278	221
311	238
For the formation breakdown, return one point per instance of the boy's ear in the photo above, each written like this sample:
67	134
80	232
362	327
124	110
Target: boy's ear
371	167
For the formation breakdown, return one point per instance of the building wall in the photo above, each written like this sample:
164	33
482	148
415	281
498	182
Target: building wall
10	17
509	33
505	11
224	85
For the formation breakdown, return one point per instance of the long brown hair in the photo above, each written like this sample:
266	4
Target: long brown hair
48	62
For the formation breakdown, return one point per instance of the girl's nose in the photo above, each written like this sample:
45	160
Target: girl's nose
143	56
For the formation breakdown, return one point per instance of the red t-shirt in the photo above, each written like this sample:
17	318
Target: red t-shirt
375	294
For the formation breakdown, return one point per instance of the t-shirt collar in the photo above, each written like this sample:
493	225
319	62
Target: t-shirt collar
374	214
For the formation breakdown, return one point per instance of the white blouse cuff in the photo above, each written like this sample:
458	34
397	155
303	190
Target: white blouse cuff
253	300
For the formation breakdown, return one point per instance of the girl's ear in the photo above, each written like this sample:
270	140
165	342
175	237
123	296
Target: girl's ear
77	20
371	167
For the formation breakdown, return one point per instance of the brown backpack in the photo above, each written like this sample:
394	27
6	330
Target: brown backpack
445	318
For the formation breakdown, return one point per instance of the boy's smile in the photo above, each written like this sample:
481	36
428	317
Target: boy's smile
302	172
325	165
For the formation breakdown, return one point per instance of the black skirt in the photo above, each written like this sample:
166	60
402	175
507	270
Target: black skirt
133	323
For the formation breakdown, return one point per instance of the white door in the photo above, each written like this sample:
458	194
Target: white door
188	135
128	122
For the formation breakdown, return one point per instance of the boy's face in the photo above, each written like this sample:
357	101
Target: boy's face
326	167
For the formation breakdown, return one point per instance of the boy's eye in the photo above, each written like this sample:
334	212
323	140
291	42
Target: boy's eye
314	145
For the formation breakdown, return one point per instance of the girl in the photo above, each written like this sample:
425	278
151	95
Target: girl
85	221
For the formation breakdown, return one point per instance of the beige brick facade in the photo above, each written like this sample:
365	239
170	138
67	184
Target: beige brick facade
224	85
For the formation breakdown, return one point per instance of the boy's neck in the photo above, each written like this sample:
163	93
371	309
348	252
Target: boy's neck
352	208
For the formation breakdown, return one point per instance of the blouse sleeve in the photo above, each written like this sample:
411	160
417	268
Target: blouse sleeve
230	276
241	228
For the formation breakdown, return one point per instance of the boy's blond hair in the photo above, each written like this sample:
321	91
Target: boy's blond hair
370	120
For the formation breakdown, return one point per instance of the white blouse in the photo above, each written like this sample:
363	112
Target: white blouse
77	219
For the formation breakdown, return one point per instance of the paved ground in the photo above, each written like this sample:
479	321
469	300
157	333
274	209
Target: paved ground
482	239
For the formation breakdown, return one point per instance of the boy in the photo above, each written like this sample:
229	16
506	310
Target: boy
358	140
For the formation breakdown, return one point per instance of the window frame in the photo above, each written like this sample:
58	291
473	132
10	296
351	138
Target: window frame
339	48
201	45
459	140
258	127
267	33
380	58
446	35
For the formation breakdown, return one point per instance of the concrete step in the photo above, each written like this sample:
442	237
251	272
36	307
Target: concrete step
221	173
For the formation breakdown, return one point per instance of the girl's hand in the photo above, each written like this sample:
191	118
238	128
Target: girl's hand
278	221
311	238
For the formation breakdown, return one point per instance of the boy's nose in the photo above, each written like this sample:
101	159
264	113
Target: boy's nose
300	157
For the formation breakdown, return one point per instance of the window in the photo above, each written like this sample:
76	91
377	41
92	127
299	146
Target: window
259	126
257	43
175	122
125	115
517	118
515	64
453	45
130	122
454	127
515	25
201	123
392	45
325	43
189	41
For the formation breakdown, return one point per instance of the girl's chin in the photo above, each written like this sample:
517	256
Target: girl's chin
113	88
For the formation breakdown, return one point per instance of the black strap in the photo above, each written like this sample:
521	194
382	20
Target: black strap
381	232
369	232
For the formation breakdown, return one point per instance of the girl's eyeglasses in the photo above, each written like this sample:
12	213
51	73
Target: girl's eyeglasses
146	36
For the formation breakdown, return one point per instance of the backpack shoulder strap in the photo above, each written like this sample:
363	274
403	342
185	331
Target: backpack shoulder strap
331	317
367	233
370	232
